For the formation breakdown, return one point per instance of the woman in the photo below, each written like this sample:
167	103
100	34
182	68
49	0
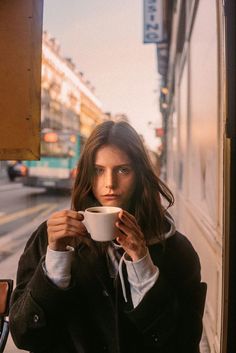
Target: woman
139	293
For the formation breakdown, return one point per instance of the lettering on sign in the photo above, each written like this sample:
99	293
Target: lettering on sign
153	21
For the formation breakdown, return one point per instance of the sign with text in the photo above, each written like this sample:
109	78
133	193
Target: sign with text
20	77
153	21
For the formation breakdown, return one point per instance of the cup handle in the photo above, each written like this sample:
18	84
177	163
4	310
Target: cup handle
84	221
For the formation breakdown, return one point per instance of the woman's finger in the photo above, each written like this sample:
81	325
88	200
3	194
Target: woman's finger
62	216
61	234
128	219
129	238
130	230
78	228
63	220
67	221
127	231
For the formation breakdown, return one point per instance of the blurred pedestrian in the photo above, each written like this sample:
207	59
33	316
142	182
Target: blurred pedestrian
138	293
15	169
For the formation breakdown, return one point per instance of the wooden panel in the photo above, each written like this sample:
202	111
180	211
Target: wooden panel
20	78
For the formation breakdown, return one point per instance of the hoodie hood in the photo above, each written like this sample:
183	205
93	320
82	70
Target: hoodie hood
171	229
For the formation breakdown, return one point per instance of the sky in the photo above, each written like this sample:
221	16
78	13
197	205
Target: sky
104	38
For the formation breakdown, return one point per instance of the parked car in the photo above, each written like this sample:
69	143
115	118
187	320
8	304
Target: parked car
16	169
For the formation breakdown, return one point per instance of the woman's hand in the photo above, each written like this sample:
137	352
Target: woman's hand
130	236
62	227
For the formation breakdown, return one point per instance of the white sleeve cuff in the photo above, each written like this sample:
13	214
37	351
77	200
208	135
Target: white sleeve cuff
58	266
142	275
141	270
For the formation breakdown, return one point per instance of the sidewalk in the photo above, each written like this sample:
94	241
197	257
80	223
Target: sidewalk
5	184
4	181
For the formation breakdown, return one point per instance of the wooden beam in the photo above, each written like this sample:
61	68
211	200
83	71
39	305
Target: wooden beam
20	78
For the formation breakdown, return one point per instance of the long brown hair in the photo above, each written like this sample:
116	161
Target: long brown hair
146	203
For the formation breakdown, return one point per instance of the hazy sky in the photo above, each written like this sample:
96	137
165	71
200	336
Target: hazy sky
104	39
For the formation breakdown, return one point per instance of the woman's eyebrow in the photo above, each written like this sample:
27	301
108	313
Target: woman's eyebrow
118	165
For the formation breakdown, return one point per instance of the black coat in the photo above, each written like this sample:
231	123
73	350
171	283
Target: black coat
91	316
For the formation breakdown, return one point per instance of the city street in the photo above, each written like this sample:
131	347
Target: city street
22	209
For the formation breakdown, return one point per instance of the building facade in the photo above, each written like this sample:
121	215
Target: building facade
68	100
192	100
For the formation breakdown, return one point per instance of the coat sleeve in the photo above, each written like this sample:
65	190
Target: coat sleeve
35	300
170	315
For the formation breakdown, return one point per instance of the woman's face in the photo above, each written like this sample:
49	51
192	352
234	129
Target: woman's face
114	180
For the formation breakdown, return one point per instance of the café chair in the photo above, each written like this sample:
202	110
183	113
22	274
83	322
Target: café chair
202	297
6	286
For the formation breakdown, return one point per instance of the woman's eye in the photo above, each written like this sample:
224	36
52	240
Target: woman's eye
98	171
123	170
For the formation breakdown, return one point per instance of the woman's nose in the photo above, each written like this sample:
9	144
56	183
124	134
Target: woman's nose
109	180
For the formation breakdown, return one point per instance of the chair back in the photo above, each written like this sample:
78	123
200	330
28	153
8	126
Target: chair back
6	286
203	292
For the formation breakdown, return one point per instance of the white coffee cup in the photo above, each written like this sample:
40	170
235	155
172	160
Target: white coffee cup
100	222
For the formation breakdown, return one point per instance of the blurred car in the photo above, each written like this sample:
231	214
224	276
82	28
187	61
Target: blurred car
16	169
